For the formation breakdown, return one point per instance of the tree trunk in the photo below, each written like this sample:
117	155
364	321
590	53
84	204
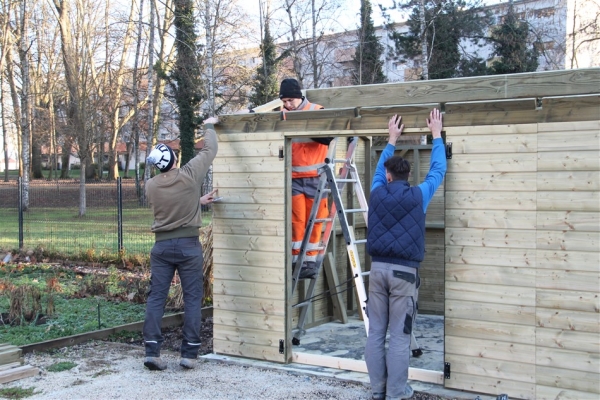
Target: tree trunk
25	105
424	57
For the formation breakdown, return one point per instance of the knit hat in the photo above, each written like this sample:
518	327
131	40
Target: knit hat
162	157
290	89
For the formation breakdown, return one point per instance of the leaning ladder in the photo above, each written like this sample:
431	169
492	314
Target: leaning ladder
329	183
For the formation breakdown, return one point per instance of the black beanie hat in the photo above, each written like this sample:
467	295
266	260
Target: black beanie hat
290	89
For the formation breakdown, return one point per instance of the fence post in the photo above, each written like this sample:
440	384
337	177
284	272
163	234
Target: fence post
119	214
20	185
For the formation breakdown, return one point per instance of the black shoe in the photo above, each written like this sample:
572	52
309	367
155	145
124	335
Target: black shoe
307	273
417	353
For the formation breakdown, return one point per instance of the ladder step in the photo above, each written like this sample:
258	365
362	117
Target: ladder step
366	273
323	219
303	304
346	180
355	210
360	241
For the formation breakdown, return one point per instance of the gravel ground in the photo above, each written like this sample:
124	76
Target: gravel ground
108	370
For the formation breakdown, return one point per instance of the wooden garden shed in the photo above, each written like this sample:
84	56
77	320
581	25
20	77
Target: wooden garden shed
513	236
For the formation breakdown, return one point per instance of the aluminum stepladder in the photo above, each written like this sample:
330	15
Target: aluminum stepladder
329	183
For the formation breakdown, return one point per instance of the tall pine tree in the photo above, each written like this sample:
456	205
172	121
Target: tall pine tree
367	59
186	75
511	46
265	88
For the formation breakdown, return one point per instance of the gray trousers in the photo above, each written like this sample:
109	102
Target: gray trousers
183	255
392	303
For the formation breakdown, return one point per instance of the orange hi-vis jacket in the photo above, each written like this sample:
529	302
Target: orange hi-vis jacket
307	154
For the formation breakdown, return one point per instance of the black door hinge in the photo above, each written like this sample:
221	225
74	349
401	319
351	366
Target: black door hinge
447	370
281	346
449	150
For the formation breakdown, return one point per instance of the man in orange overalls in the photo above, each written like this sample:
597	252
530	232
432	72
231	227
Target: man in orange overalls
307	154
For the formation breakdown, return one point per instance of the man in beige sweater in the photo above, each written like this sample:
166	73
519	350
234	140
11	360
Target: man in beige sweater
174	196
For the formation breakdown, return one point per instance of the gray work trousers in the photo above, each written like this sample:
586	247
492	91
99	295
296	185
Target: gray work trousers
392	303
183	255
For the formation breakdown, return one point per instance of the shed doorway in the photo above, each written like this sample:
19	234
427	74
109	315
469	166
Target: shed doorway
333	333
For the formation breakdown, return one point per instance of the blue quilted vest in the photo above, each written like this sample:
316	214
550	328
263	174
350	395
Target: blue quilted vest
396	232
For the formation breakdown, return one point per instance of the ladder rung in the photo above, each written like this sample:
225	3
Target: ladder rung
360	241
346	180
323	219
366	273
303	304
355	210
339	160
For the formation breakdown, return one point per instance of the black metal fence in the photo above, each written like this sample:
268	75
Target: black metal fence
116	222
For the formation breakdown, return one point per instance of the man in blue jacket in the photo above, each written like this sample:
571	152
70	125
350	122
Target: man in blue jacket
396	243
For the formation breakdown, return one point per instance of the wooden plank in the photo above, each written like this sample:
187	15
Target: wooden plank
490	106
569	161
504	182
236	334
249	212
9	355
234	257
501	162
256	274
525	85
15	364
268	180
567	319
233	195
551	393
485	384
491	219
568	279
226	165
568	300
569	126
14	374
576	360
257	290
491	293
491	130
511	238
249	242
490	349
568	240
485	200
259	321
268	353
505	332
558	181
567	339
565	260
248	227
490	312
496	144
498	369
568	143
551	200
249	305
568	221
249	149
492	257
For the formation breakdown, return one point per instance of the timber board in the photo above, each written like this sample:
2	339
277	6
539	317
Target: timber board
249	212
492	219
236	258
249	242
573	181
491	238
492	293
490	349
248	164
569	141
576	360
251	336
255	290
250	305
579	321
259	321
492	385
249	227
498	369
495	257
566	200
263	180
493	181
566	378
490	106
247	196
568	240
564	260
497	275
568	160
257	352
500	143
256	274
490	312
484	200
566	127
561	279
524	85
552	393
568	300
493	162
568	340
506	332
